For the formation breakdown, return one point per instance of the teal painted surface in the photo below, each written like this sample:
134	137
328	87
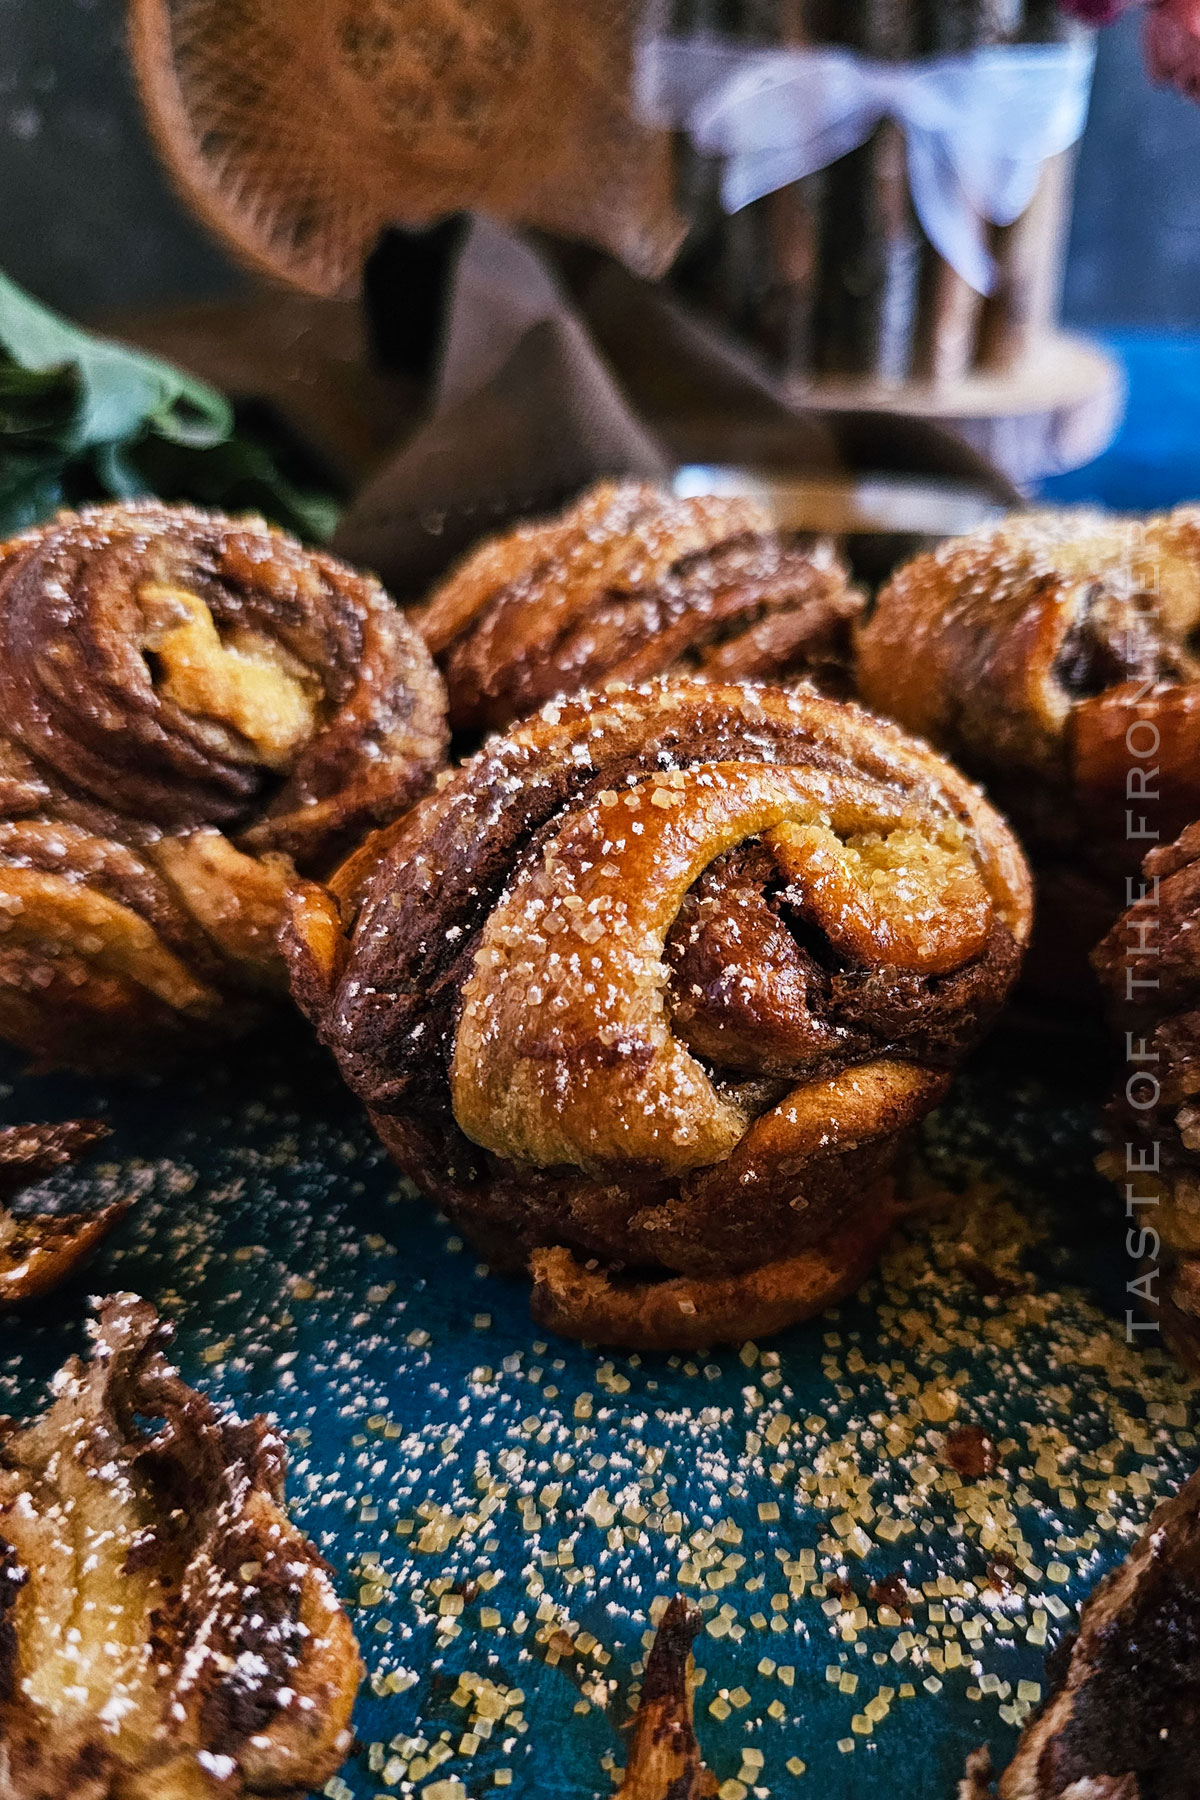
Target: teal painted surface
1155	459
261	1177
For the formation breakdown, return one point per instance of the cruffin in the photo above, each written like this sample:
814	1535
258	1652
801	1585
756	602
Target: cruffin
166	1629
39	1251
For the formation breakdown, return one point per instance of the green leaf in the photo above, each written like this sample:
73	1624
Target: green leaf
31	489
82	418
240	476
35	406
120	391
119	475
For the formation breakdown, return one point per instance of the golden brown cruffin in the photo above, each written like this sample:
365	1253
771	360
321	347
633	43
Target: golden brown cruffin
190	705
652	990
167	1631
39	1251
1055	656
1123	1719
1149	965
664	1761
630	583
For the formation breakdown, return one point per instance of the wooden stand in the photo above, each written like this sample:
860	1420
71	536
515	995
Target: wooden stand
1058	409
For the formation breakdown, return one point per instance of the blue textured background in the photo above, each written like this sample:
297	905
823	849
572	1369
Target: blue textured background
262	1176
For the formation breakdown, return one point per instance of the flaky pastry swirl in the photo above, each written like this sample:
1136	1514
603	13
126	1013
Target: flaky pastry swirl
630	583
189	705
1051	656
165	1629
650	991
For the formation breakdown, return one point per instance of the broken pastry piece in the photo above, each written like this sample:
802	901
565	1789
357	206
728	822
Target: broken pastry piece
191	706
1055	657
664	1761
628	583
1123	1721
167	1630
653	992
39	1251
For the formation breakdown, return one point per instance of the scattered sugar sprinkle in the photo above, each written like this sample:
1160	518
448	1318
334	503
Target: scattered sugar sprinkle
508	1516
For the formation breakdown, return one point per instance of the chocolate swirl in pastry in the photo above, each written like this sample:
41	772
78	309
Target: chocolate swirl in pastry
189	705
628	584
650	992
165	1630
1150	967
1027	652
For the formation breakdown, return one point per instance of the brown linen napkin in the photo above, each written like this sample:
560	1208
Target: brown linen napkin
559	367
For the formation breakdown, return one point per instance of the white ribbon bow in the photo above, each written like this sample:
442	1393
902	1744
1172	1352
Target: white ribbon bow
977	127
